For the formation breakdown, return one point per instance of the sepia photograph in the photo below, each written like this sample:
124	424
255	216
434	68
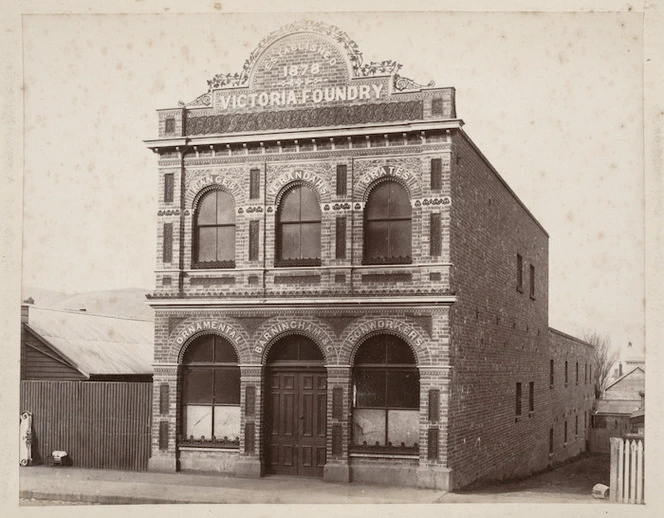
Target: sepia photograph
332	257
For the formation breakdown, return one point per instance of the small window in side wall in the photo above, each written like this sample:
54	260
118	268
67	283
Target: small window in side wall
254	184
577	373
518	399
169	125
551	440
566	375
532	281
342	179
531	396
436	174
576	425
168	187
565	436
551	376
519	273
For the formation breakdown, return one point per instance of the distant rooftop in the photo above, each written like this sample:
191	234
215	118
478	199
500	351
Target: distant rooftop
96	344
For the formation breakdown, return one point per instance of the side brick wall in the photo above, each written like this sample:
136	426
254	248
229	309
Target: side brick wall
499	331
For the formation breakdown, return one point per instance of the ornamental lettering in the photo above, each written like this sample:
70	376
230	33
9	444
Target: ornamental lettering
292	97
205	325
395	325
291	176
220	180
298	325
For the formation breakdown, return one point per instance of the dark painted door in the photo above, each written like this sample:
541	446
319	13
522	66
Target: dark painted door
296	413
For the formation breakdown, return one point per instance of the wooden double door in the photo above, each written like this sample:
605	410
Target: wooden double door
296	421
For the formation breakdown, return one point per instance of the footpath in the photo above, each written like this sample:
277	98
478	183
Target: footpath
569	483
70	484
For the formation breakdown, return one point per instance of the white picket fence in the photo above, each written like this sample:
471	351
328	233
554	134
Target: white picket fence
626	481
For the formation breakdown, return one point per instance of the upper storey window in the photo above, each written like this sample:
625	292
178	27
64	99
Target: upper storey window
214	233
298	228
388	225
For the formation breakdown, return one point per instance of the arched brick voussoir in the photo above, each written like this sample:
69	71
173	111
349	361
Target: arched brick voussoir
370	179
272	330
203	182
408	330
195	326
288	178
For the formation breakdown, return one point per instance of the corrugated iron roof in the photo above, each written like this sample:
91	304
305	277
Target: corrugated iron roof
96	344
616	406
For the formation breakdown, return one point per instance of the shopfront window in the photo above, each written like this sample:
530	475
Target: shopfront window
386	395
211	393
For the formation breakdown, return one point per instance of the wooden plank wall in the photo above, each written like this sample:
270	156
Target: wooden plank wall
99	424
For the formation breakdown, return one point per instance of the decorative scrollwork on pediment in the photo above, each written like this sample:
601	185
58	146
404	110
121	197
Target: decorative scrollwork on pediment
404	83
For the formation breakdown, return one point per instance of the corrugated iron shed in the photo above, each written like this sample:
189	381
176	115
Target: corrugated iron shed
96	344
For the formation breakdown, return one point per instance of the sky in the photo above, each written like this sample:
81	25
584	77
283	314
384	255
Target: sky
554	101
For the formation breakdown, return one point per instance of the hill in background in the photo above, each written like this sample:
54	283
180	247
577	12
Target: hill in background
127	302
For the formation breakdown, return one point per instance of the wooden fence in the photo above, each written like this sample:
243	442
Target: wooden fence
99	424
627	474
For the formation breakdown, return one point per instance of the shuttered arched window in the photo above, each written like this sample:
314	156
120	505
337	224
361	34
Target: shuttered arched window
214	232
388	225
298	228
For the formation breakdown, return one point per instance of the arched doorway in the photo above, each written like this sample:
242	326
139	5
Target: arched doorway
295	408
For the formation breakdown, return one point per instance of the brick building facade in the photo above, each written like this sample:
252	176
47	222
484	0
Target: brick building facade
345	287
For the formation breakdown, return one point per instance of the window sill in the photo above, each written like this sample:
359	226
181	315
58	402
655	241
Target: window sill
520	290
209	445
532	298
231	449
517	419
387	261
531	413
382	451
286	263
383	455
212	264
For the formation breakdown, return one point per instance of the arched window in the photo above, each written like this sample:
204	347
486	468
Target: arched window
386	395
298	228
211	392
388	227
214	232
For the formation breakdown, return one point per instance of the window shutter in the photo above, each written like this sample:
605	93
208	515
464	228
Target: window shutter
342	173
341	238
436	174
253	240
254	184
435	244
168	187
168	243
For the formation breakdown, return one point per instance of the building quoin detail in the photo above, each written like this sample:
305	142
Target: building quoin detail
345	287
